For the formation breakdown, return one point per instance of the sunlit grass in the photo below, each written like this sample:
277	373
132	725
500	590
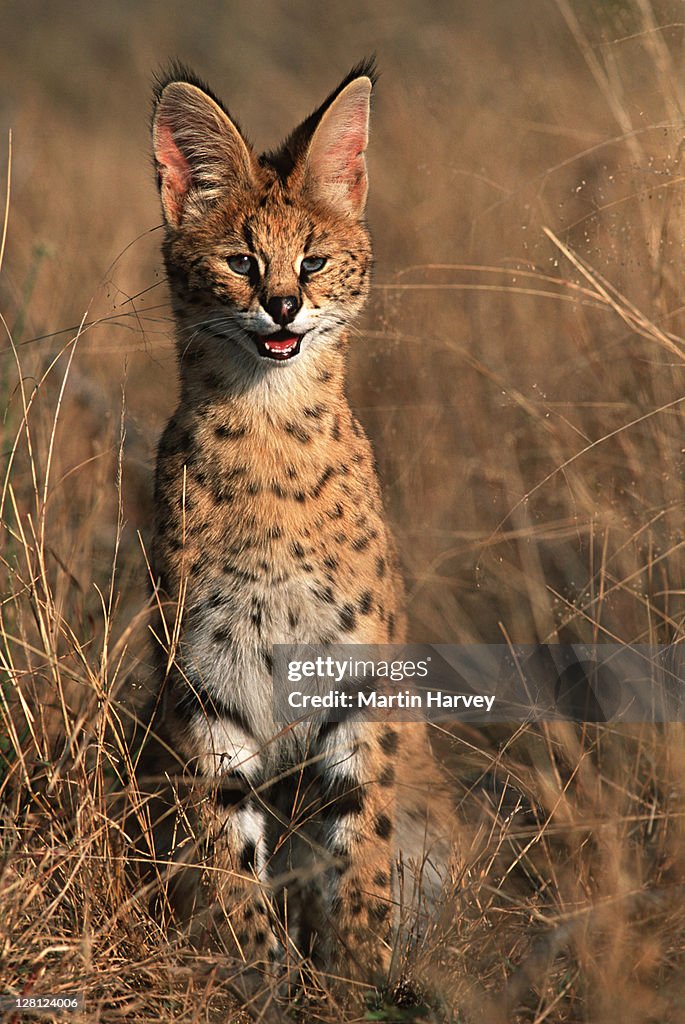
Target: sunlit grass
521	373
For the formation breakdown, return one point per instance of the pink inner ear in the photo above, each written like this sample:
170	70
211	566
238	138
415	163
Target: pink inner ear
174	168
343	162
335	161
344	156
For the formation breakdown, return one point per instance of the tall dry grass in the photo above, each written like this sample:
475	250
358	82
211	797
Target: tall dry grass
521	373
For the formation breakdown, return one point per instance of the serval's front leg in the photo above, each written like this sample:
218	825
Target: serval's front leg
357	774
234	896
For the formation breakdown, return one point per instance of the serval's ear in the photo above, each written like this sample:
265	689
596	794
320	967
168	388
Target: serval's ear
199	151
334	163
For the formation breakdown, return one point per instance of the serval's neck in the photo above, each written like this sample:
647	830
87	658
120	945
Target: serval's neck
263	394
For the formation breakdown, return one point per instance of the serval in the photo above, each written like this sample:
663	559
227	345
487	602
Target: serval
269	528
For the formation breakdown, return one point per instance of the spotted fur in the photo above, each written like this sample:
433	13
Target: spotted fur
269	528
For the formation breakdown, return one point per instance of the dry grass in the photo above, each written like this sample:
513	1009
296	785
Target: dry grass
521	372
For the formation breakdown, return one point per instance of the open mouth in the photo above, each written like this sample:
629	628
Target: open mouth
281	345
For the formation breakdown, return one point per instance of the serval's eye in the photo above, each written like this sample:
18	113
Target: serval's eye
242	264
312	264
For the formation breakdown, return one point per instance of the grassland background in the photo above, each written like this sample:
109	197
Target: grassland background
519	369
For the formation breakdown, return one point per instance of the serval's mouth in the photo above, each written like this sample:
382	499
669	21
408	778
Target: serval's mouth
281	345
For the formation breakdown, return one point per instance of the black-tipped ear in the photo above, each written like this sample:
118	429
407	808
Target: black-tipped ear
199	151
293	151
334	163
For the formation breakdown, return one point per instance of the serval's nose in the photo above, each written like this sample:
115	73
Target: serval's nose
283	308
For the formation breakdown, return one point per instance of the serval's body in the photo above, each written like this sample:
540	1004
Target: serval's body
270	528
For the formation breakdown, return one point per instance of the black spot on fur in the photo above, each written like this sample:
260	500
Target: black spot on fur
256	615
222	635
339	849
387	776
191	698
296	549
267	659
391	626
389	742
199	526
223	431
222	494
380	567
248	857
365	602
298	432
381	879
379	910
247	234
383	826
232	570
348	619
344	797
322	481
326	595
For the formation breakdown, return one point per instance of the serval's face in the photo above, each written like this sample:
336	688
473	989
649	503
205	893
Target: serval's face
267	258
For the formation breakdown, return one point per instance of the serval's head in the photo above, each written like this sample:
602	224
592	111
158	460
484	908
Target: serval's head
268	257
